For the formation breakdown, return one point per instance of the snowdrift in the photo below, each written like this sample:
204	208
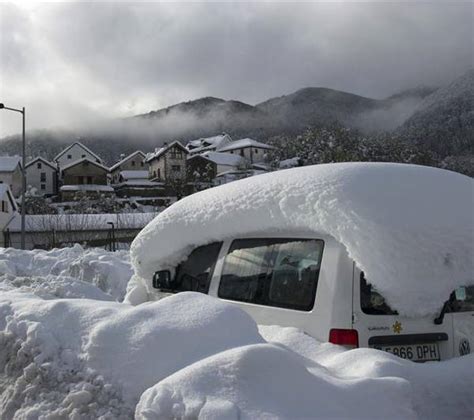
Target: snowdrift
409	228
190	355
72	272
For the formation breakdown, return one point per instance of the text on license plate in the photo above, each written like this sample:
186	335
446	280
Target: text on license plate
415	352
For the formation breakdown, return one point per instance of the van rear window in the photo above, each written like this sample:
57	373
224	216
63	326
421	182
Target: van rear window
272	272
371	301
461	300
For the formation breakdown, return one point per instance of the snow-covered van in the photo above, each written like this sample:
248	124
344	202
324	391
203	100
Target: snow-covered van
327	260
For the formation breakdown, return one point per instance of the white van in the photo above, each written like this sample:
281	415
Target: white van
309	282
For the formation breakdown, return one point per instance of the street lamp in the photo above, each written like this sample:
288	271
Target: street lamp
112	236
23	170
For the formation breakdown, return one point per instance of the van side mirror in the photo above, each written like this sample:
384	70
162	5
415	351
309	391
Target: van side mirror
162	280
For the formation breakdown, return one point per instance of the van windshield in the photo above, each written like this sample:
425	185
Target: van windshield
371	301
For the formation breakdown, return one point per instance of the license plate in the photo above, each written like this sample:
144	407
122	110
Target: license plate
415	352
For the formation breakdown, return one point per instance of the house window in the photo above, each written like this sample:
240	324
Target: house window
141	164
80	179
176	168
38	165
89	180
69	156
4	206
232	151
43	177
133	163
176	154
159	173
256	151
83	156
241	152
43	186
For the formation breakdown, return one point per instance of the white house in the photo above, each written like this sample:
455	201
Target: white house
133	162
208	143
11	173
75	152
43	176
8	209
225	161
250	149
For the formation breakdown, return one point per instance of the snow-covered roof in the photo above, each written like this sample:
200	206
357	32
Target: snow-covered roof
77	143
207	143
140	183
87	187
78	161
158	152
409	228
243	143
289	163
134	174
9	163
58	222
223	158
125	159
42	160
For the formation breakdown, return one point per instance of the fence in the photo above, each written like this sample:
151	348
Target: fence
55	231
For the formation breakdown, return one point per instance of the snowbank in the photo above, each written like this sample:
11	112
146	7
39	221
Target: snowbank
190	355
66	273
410	228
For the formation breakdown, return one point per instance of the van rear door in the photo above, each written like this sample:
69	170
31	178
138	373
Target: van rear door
380	327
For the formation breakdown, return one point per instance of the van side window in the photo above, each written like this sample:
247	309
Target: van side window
195	273
272	272
371	301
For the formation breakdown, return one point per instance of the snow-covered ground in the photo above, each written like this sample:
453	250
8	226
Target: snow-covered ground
68	350
66	273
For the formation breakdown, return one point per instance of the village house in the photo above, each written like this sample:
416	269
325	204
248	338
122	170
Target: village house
136	184
11	173
167	163
75	152
252	150
225	161
43	176
87	176
8	209
208	143
133	162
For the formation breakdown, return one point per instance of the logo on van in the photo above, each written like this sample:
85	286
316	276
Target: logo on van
397	327
464	347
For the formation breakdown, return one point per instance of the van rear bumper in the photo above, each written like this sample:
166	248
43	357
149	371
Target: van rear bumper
393	340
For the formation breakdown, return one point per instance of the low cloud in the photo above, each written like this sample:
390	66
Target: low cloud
73	64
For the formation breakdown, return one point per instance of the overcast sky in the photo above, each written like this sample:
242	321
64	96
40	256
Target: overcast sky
70	63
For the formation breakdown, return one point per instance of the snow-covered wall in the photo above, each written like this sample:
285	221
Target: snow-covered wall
410	228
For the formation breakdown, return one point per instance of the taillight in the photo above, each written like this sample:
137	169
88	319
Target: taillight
349	338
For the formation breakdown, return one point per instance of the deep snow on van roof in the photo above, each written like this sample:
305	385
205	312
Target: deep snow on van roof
409	228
